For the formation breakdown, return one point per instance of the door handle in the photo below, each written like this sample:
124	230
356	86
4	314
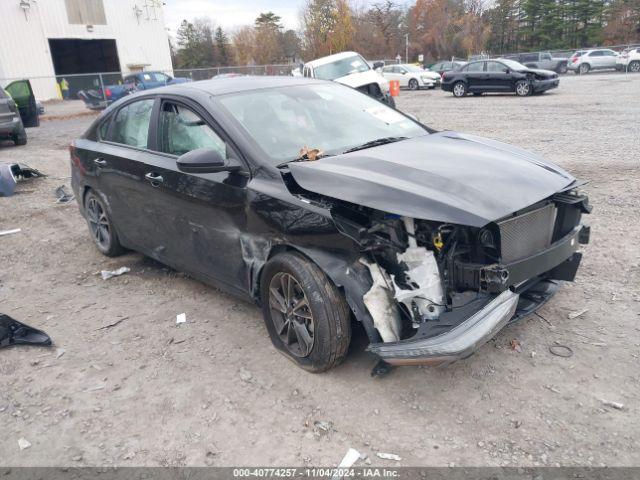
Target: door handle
100	162
155	180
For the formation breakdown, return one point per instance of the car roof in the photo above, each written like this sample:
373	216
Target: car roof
330	59
222	86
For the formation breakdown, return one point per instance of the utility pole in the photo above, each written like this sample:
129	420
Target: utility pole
406	48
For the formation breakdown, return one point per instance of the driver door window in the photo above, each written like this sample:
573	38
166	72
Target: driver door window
131	124
496	67
182	130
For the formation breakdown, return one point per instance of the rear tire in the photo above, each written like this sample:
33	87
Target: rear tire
101	227
305	314
459	89
584	68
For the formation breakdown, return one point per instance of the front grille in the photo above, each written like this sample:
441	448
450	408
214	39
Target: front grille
527	234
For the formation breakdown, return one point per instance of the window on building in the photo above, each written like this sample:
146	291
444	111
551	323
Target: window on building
86	12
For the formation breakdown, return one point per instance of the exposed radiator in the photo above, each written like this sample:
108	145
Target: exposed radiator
527	234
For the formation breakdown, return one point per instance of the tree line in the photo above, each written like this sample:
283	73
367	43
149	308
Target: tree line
437	29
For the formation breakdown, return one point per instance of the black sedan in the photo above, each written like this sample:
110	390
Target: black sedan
498	76
325	206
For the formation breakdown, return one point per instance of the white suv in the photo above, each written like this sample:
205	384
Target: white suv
629	60
349	68
583	61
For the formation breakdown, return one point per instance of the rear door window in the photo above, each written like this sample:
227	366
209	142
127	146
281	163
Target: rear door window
496	67
131	124
475	67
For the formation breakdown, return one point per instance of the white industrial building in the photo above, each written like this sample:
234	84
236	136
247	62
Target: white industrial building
46	40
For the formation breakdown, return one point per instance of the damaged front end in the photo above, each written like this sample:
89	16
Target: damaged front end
439	290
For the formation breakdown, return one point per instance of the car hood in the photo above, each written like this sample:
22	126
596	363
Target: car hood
356	80
446	177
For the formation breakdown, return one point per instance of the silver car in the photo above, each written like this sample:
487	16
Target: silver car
583	61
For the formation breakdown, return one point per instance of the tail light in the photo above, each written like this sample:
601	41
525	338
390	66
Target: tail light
107	92
574	59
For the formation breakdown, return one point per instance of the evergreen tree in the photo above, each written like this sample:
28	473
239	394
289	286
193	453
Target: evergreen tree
222	47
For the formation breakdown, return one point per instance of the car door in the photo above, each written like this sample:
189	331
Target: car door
609	58
497	78
546	62
22	94
476	76
201	216
595	59
118	163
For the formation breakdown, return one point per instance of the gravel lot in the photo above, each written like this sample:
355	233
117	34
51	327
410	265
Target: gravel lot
214	391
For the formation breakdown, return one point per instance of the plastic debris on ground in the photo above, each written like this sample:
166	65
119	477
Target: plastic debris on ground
63	196
576	314
348	460
12	173
616	405
389	456
10	232
181	318
13	332
23	443
107	274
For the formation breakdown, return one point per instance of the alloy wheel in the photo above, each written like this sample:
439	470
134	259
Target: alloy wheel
634	67
291	314
584	68
523	89
458	90
413	84
98	223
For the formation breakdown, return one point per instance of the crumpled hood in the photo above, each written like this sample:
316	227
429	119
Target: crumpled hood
446	176
356	80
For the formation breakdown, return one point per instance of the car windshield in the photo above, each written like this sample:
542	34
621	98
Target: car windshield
341	68
328	117
513	65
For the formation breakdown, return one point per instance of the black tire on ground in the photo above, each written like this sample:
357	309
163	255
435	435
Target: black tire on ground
584	68
634	66
523	88
389	100
20	138
459	89
313	305
413	84
562	68
101	227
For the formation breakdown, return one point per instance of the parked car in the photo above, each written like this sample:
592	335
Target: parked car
101	98
540	60
583	61
492	76
349	68
18	109
322	205
442	67
411	77
629	60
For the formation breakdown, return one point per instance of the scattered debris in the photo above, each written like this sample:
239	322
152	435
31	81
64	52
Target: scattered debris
12	173
23	443
577	313
107	274
310	154
322	425
561	351
381	369
10	232
552	388
348	460
63	196
95	389
60	352
609	403
389	456
515	346
181	318
13	332
245	375
111	325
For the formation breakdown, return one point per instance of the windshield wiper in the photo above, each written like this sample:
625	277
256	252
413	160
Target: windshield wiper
375	143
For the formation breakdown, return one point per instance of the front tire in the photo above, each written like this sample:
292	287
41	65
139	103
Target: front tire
305	314
459	89
562	69
20	138
101	227
634	66
523	88
413	84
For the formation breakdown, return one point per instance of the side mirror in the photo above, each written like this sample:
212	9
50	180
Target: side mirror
378	65
204	160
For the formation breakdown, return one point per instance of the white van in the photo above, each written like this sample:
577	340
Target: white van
349	68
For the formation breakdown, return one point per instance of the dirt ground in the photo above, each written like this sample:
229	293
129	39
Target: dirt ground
213	391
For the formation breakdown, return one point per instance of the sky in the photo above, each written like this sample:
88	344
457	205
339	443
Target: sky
231	13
